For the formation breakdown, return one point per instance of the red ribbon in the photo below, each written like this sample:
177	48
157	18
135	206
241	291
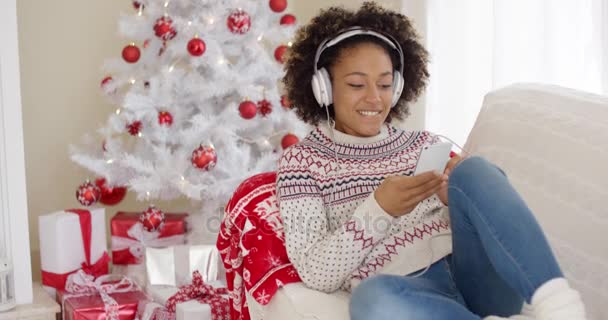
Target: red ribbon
100	267
203	292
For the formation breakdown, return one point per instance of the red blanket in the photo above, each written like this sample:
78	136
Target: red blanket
252	245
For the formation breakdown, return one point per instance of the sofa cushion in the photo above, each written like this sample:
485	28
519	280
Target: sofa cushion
553	144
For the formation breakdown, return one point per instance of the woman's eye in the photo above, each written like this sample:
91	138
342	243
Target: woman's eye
354	85
386	86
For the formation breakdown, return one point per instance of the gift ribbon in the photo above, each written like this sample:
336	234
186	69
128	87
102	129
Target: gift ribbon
82	284
100	267
139	239
200	291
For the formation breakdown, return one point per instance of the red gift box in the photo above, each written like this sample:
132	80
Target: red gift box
92	307
123	225
103	298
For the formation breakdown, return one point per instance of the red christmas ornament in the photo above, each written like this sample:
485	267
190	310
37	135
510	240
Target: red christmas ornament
131	53
248	109
288	19
110	195
289	140
146	43
285	102
238	22
204	157
87	193
137	5
196	47
279	52
105	81
152	219
165	118
134	127
163	28
277	5
264	107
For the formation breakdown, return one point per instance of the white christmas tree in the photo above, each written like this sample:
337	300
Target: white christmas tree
198	100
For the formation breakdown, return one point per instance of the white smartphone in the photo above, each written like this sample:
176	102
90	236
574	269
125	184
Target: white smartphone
433	158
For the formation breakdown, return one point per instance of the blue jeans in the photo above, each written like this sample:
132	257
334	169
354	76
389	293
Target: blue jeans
499	258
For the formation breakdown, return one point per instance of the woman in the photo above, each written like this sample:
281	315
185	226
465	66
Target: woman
353	210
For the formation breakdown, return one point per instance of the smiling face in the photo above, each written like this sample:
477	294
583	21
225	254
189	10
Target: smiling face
362	86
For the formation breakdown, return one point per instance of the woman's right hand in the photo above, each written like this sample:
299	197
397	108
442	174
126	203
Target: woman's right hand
399	195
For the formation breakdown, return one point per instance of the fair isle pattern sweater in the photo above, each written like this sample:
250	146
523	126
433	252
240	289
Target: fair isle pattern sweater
336	234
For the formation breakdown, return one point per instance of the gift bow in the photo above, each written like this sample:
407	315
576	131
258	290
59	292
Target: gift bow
139	239
198	290
82	284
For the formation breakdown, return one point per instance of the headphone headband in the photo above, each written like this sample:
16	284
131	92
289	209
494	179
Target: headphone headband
354	31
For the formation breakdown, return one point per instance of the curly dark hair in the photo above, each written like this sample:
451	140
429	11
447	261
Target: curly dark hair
299	65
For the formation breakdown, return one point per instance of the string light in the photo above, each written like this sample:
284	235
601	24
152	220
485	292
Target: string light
166	4
189	23
171	68
132	81
110	161
139	134
260	37
211	20
289	44
118	111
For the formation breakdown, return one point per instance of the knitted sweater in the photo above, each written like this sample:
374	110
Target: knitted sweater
336	234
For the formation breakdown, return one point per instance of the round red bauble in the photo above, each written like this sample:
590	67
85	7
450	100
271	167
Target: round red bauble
279	52
277	5
204	157
264	107
87	193
163	28
248	109
134	127
289	140
288	19
152	219
110	195
285	102
137	5
196	47
131	53
238	22
165	118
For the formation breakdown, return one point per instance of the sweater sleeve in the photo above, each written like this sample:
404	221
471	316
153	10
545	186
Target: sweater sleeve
323	258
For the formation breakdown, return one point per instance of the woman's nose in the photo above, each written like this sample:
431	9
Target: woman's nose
373	94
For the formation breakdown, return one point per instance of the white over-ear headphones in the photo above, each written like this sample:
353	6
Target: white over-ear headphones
321	83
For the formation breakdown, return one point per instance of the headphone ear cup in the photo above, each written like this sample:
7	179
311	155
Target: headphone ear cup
397	87
316	88
326	87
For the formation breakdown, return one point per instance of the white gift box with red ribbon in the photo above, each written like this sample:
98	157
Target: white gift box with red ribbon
71	240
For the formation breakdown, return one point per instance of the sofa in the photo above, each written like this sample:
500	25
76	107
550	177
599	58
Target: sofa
553	144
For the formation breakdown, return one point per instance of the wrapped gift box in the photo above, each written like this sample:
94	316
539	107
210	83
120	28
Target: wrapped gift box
173	266
129	239
204	307
91	307
63	249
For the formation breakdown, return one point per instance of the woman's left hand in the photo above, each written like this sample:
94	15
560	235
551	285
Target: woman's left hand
443	190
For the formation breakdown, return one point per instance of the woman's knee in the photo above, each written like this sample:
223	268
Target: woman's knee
472	169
